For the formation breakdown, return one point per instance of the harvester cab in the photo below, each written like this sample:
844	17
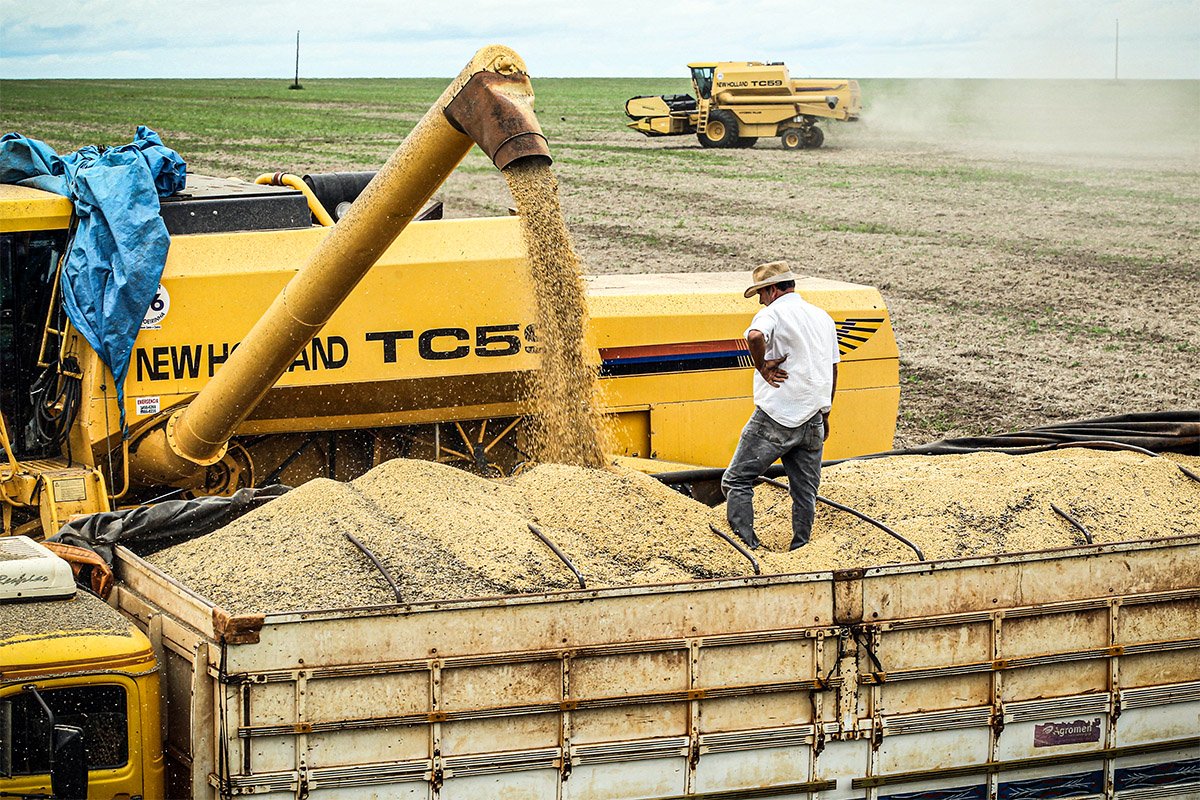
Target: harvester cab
737	103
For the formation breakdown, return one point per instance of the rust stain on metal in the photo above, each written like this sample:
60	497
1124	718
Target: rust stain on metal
496	110
240	629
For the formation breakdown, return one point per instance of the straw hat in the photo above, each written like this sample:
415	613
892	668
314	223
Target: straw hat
767	274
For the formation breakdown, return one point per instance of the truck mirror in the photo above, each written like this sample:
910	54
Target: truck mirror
68	767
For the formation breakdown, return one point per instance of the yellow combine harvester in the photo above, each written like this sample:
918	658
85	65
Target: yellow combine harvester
739	102
401	367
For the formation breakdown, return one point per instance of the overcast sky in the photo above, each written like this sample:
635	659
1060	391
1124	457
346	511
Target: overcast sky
409	38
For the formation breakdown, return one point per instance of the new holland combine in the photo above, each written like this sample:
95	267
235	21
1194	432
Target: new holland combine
739	102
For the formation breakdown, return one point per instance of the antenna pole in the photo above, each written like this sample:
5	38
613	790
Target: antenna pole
1116	50
296	83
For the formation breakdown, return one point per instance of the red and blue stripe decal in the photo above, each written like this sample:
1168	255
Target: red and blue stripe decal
652	359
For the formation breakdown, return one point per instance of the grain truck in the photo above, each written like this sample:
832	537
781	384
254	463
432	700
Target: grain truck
1012	675
1066	673
739	102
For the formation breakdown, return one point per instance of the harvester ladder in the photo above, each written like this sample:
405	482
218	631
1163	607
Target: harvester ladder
702	121
46	353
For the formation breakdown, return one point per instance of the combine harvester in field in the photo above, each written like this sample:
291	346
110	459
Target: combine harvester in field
397	628
739	102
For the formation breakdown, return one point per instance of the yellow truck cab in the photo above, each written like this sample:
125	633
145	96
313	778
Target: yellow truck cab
79	687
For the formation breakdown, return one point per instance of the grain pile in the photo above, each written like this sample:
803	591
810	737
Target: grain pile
446	534
567	427
978	504
623	527
51	619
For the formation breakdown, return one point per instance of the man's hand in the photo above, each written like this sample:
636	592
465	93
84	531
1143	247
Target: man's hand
825	421
772	373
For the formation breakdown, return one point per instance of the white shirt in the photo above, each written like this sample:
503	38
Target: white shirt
808	337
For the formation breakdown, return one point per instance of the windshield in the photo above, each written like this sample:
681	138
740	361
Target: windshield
702	78
99	710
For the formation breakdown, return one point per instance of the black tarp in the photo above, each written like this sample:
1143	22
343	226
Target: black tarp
149	528
1158	432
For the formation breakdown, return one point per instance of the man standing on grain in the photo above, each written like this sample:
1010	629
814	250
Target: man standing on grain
793	345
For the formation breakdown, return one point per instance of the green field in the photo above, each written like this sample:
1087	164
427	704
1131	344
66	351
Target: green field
1036	242
218	125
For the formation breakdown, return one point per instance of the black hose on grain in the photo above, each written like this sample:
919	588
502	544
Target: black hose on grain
561	555
378	564
1105	444
1087	535
857	513
1189	473
739	547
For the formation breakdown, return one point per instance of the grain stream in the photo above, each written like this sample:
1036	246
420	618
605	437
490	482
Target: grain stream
566	425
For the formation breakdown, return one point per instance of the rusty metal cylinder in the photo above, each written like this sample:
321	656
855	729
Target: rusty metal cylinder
489	103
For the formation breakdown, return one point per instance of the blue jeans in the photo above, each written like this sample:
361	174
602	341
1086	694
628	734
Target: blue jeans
763	441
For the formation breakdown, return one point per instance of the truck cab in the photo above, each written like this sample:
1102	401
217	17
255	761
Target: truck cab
79	687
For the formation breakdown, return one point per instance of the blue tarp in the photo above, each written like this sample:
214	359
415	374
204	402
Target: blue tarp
116	259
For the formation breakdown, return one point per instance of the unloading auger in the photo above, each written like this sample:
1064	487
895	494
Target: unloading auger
490	103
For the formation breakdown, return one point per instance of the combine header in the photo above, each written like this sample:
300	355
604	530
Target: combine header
738	102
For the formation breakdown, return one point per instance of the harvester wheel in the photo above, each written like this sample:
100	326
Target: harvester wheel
814	137
721	131
792	138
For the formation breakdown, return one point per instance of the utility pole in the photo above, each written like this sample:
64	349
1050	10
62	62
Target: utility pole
296	83
1116	50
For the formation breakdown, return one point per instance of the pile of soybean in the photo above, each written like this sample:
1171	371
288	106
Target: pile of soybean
445	534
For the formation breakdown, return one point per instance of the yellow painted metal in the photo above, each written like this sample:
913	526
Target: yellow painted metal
362	388
68	653
372	340
58	490
297	183
745	85
26	209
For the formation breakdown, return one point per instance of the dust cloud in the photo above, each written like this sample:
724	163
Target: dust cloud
1071	117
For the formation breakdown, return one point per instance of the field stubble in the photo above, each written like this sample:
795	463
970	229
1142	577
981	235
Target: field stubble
1039	254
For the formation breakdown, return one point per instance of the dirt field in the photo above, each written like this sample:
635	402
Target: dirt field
1044	273
1037	243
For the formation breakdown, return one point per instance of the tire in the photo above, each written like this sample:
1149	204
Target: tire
814	137
792	138
746	141
722	130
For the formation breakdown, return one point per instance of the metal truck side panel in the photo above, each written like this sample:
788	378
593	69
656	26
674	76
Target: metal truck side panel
1006	673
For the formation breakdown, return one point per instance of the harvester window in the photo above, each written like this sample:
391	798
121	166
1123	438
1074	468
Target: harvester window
100	711
702	77
27	265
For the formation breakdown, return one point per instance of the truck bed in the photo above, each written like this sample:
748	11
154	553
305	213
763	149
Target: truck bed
1013	673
